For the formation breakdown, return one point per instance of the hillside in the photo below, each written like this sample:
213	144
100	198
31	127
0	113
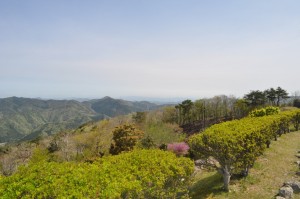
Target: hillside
26	118
113	107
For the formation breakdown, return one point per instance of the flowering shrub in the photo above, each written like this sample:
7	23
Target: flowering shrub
180	148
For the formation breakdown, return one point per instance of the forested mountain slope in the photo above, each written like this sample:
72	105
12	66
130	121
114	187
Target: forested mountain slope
23	116
113	107
26	118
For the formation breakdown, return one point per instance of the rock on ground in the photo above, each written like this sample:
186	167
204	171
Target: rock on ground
286	192
295	186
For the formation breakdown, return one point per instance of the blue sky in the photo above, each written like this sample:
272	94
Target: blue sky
154	48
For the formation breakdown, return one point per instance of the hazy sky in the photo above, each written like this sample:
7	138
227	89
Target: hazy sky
154	48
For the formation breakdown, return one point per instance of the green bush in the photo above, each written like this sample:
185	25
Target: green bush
237	144
270	110
125	138
258	113
296	120
147	143
136	174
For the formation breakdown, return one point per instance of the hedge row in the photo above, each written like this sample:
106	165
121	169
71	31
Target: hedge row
237	144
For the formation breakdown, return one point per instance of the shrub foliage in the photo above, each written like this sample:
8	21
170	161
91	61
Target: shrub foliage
269	110
236	144
125	138
136	174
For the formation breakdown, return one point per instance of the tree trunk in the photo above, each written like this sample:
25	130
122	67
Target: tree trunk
226	177
245	172
278	101
268	143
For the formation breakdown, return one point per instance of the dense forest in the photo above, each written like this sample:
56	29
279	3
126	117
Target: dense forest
150	154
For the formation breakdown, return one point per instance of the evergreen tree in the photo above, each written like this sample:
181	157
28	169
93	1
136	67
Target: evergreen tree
281	95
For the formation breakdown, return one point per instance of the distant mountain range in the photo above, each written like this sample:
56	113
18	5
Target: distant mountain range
26	118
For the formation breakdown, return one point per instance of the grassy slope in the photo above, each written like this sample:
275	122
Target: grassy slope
265	178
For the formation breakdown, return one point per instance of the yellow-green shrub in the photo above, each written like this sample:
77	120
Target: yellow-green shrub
136	174
236	144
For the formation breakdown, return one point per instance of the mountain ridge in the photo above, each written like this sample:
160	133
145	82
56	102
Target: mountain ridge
27	118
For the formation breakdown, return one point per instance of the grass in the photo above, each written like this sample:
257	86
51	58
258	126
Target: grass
208	184
270	171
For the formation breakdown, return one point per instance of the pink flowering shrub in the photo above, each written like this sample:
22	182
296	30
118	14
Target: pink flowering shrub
180	148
